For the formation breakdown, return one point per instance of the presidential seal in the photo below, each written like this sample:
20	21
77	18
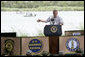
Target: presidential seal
72	44
53	29
35	45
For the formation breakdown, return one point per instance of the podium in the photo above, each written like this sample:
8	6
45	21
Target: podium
54	44
53	31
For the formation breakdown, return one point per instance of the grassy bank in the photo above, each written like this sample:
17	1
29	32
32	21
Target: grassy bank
45	8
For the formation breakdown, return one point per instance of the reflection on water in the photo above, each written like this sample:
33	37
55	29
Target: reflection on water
12	21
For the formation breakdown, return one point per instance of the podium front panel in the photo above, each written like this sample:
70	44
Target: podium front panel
36	44
16	45
69	44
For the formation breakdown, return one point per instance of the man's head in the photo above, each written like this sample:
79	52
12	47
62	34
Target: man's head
29	53
55	13
45	53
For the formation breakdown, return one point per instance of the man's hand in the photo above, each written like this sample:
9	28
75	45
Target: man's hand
61	24
38	20
41	20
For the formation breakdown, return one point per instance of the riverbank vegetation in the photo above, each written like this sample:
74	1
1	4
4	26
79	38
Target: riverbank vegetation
42	5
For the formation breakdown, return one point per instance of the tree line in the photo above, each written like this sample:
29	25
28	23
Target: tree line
36	4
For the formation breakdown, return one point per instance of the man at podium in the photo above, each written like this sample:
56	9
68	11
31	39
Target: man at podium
55	27
54	20
53	31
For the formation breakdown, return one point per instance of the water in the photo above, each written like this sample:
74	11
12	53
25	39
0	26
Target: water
10	21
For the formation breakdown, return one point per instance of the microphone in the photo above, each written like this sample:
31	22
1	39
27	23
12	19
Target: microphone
52	21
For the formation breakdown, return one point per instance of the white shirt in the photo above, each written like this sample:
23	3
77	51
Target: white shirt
57	21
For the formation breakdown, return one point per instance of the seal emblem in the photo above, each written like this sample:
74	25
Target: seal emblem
53	29
35	45
72	44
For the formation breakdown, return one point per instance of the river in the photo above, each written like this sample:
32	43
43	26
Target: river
16	22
